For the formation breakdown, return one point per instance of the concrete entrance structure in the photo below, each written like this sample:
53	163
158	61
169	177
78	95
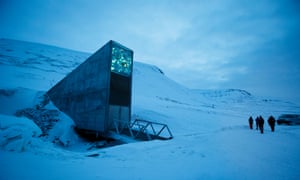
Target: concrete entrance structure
98	91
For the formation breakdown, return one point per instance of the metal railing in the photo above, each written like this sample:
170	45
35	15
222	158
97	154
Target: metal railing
140	128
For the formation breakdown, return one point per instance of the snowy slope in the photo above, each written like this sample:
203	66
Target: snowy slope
35	66
211	137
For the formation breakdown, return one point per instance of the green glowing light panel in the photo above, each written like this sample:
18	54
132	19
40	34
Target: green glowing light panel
121	60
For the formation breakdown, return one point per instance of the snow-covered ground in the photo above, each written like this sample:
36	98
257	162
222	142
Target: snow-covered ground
211	136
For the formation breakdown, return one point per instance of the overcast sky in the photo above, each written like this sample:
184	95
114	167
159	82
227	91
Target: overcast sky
246	44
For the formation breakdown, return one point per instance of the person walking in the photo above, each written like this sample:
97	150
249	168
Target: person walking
256	122
261	124
251	122
271	122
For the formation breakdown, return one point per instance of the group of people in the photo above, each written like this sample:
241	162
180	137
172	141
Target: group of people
259	122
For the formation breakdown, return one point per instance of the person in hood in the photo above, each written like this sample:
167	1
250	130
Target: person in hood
261	122
251	122
271	122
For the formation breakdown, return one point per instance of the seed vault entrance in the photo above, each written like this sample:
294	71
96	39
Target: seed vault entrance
99	90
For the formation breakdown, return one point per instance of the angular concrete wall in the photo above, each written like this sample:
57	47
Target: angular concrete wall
84	93
89	92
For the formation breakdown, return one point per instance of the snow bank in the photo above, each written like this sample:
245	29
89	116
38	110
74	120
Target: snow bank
63	131
17	134
15	99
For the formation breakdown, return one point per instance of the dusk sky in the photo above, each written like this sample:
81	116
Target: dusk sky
250	45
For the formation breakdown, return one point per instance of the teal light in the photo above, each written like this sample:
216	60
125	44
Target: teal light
121	61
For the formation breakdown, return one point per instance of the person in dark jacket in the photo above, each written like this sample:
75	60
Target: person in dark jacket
261	122
256	122
251	122
271	122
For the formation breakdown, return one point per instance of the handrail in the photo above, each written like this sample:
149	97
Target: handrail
139	127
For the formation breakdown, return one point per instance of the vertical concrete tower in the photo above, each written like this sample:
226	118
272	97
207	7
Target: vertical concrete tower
98	91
